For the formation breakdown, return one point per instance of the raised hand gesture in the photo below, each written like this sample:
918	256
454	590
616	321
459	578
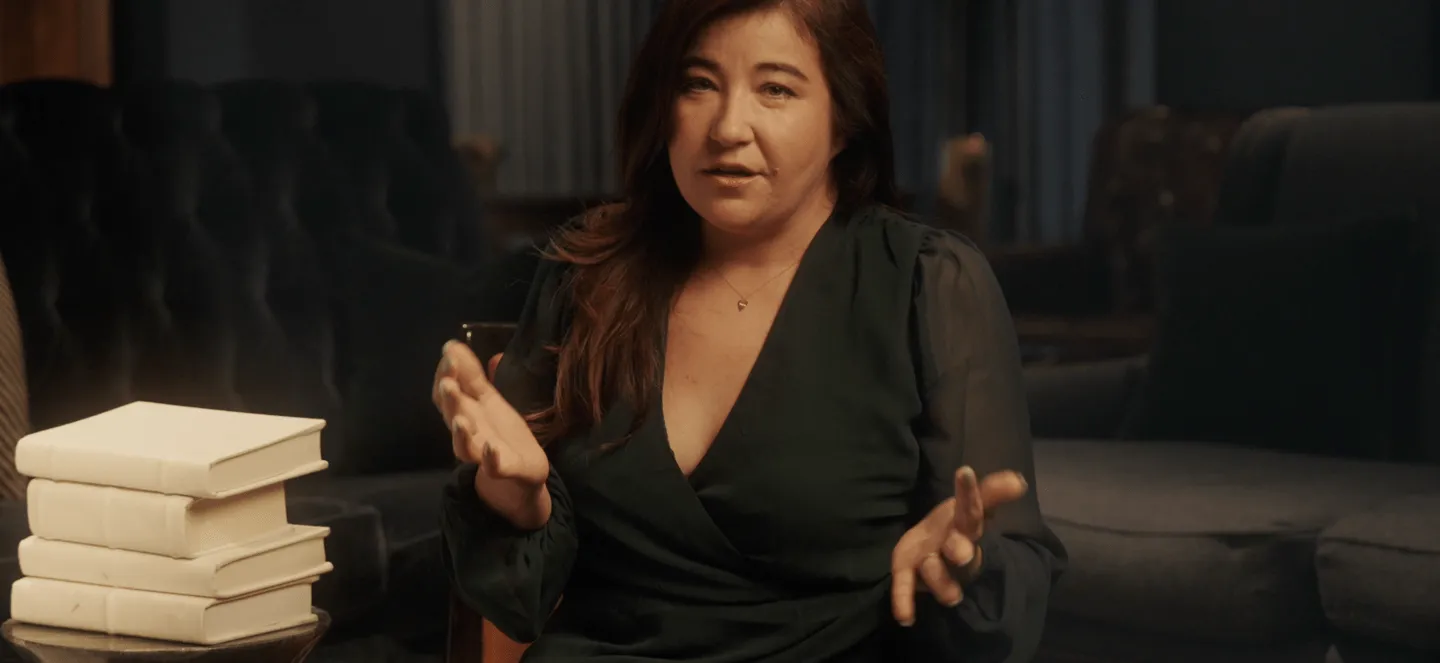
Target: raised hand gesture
485	429
943	549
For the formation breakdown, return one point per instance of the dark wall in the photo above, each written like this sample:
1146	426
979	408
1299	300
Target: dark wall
1248	54
384	41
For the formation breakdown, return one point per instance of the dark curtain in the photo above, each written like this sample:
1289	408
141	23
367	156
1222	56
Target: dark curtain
925	58
545	78
1045	74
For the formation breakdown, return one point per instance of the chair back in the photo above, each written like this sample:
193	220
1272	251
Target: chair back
472	639
14	397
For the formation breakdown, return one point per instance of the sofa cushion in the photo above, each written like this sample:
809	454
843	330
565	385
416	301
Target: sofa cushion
355	546
1246	314
1372	568
1203	540
416	586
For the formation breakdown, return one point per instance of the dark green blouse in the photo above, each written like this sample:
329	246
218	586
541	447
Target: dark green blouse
892	361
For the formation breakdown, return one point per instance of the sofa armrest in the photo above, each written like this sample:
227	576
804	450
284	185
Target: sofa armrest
1052	280
1084	400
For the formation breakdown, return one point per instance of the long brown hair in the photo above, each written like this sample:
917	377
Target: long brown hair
628	260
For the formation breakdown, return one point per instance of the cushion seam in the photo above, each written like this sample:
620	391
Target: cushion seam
1347	541
1111	530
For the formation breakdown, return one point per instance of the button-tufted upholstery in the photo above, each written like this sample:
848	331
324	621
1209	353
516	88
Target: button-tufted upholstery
14	394
227	247
127	214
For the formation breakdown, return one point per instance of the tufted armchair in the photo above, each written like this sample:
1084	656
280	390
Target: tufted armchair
262	246
1149	168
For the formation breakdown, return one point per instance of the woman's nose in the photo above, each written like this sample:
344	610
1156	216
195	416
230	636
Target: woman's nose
731	124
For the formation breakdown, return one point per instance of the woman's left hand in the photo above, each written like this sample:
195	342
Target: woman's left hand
943	550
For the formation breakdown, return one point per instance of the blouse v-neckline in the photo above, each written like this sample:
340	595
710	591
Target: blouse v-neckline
782	314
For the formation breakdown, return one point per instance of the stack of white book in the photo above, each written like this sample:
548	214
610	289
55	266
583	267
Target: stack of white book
168	522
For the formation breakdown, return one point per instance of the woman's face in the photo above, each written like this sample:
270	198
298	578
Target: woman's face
753	133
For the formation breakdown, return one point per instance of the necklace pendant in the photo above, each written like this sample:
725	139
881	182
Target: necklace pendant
740	305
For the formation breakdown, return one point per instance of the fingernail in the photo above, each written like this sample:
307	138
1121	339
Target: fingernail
955	602
446	348
1023	482
907	623
967	472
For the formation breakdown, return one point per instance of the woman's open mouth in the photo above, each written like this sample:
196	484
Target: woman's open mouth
731	176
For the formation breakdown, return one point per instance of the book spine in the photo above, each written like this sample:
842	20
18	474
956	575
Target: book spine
45	461
111	517
59	560
108	610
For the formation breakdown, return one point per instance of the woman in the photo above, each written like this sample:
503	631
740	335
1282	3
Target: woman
761	409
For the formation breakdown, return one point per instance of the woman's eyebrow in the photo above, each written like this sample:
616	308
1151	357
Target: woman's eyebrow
781	67
777	67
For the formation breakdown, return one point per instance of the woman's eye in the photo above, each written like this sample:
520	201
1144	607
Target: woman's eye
777	91
696	84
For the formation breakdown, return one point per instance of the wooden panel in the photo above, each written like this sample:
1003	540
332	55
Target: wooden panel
475	640
500	649
466	634
55	39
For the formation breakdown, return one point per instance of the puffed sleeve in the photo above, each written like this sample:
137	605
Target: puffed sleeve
514	578
975	414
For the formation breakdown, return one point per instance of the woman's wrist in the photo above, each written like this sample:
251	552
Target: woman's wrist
526	507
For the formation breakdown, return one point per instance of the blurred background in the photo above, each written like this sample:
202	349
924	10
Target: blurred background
530	88
288	205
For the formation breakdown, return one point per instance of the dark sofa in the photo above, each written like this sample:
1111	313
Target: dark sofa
1307	527
264	246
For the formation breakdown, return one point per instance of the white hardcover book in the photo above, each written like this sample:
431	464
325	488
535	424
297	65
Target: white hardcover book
173	449
287	556
173	617
140	521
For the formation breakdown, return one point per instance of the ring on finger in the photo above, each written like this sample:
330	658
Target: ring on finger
958	572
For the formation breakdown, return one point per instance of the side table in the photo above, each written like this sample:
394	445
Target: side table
45	644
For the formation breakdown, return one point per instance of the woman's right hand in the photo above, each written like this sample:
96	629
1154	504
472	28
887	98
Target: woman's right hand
486	430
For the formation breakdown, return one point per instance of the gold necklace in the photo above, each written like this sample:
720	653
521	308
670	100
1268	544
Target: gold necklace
744	301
